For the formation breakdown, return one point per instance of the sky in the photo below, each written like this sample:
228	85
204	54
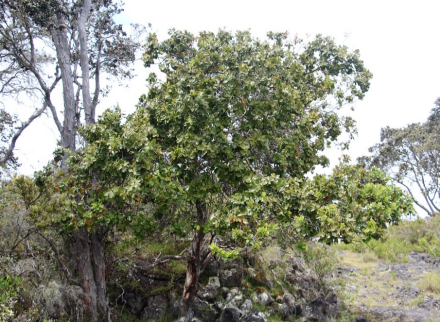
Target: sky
399	42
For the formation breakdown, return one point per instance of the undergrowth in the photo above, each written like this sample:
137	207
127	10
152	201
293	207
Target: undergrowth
421	235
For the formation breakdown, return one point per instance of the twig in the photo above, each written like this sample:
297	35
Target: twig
166	259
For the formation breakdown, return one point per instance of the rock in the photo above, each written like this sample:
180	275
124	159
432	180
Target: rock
230	314
257	277
262	298
136	304
331	307
313	312
399	314
196	320
212	268
224	291
175	308
213	280
230	272
203	310
156	308
289	307
234	298
211	290
254	315
246	306
230	278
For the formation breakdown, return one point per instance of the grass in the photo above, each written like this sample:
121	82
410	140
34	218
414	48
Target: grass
421	235
352	259
430	282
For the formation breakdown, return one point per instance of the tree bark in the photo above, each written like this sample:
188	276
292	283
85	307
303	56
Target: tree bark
98	257
61	42
85	270
193	267
84	59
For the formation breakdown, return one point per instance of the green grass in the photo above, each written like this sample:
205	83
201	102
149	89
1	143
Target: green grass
422	235
430	282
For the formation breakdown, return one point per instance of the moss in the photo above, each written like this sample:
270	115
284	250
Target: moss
259	289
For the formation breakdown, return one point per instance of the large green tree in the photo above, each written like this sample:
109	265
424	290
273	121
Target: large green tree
239	120
225	145
411	156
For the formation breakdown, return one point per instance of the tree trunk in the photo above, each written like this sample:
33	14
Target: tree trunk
84	59
85	270
193	267
61	42
99	271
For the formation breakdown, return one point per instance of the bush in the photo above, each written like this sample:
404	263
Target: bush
321	259
422	235
9	289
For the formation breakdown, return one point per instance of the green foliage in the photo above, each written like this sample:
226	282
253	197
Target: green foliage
9	288
241	121
420	235
350	204
225	143
321	259
112	181
225	254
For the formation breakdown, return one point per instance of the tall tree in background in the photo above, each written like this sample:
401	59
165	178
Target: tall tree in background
47	43
411	156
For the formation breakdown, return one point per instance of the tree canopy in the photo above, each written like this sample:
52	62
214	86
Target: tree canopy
47	43
224	147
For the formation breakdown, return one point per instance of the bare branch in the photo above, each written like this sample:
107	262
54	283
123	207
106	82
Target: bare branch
9	152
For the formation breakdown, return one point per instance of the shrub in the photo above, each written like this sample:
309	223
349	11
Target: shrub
321	259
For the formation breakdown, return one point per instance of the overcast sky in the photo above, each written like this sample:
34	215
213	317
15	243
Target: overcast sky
399	42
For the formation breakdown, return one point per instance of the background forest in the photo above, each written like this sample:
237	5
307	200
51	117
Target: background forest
206	202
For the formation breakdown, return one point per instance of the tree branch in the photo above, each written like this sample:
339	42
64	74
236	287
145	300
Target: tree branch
8	154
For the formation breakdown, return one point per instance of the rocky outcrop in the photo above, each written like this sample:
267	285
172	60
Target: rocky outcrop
233	291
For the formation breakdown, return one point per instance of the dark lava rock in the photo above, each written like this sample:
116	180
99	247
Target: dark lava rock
211	290
254	315
230	278
203	310
289	307
156	308
362	318
230	314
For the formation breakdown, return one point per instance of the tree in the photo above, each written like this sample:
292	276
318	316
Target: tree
411	156
224	147
240	120
45	43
